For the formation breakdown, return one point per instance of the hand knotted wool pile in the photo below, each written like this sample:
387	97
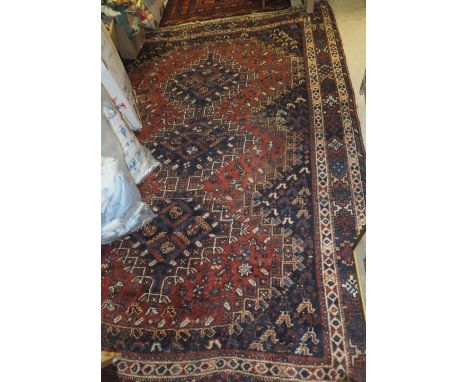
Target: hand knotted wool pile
246	273
183	11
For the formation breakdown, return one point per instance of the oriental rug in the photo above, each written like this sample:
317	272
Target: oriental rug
184	11
246	273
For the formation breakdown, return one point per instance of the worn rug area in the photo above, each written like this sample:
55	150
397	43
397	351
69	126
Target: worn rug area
183	11
246	273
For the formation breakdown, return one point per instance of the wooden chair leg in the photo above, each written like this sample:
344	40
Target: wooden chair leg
108	357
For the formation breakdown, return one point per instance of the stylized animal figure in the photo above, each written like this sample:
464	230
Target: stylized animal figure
305	304
284	317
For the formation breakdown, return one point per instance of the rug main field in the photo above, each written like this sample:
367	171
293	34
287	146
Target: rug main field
246	273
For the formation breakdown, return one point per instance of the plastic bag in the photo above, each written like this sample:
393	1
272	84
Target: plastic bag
139	160
122	210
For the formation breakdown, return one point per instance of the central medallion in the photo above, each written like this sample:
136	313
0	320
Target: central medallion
204	82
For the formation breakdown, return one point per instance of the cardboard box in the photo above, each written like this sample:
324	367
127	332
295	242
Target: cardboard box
127	48
156	7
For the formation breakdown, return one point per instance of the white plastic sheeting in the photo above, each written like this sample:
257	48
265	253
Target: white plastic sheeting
139	160
122	210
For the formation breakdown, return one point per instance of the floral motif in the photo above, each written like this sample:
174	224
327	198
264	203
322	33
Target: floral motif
244	269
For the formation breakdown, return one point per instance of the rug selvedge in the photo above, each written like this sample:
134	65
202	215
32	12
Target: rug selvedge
287	307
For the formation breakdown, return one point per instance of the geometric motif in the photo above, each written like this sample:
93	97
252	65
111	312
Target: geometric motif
206	81
351	286
246	272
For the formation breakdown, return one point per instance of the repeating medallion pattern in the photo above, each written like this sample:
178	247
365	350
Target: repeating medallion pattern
246	273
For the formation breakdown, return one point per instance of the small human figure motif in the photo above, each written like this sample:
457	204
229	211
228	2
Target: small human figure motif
284	317
305	304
